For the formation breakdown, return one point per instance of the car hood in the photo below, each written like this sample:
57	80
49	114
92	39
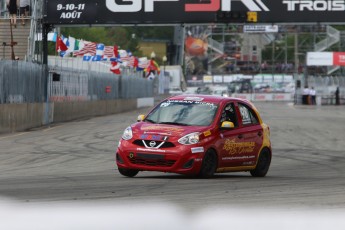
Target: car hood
143	128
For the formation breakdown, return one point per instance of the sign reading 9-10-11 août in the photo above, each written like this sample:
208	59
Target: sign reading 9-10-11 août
191	11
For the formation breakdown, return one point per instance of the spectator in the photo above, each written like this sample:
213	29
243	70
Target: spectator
312	94
337	98
12	9
152	69
24	9
305	95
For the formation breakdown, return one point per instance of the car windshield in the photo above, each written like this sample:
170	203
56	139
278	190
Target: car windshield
183	112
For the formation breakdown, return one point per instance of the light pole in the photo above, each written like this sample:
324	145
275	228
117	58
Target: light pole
164	62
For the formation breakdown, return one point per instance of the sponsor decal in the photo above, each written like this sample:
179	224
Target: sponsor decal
152	144
151	150
152	137
207	133
278	96
260	97
193	99
238	158
212	105
315	5
234	148
197	150
166	128
164	104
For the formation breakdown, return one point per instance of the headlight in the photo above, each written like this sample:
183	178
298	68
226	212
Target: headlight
189	139
127	134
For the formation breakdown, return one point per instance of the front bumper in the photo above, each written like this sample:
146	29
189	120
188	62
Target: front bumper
182	159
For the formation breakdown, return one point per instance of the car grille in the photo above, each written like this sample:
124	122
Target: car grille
151	162
147	142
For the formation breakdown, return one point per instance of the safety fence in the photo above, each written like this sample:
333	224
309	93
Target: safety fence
71	85
24	82
326	87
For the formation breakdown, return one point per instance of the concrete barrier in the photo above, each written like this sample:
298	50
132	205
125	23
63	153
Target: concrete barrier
20	117
265	96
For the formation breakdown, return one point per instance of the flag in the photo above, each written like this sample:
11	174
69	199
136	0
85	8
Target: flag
52	37
115	67
67	42
77	44
96	58
71	44
87	57
89	47
100	49
115	59
134	62
109	51
60	46
124	56
142	63
81	45
116	51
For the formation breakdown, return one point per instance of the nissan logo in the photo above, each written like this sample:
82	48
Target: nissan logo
152	143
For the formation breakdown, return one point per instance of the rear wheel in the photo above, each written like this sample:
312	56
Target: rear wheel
263	164
209	164
128	172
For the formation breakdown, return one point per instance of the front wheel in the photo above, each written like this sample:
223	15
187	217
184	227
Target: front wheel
263	164
128	172
209	164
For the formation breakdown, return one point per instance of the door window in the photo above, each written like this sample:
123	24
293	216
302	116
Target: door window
229	114
247	114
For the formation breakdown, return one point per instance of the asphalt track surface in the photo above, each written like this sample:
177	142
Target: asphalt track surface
74	161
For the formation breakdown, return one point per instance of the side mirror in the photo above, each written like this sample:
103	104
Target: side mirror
227	125
141	117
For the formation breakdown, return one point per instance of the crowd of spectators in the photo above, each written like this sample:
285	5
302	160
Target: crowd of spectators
250	67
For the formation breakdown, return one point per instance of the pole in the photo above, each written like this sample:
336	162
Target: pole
12	43
45	31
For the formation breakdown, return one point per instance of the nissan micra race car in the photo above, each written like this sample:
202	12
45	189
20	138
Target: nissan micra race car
197	135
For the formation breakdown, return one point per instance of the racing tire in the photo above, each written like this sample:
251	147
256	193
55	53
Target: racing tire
209	164
263	164
128	172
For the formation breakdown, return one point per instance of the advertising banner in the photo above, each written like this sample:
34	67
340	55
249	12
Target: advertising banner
326	58
190	11
260	29
339	58
320	58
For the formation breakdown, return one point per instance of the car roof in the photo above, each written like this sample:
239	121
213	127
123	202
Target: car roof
206	98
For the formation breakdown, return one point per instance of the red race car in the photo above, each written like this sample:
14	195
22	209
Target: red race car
197	135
